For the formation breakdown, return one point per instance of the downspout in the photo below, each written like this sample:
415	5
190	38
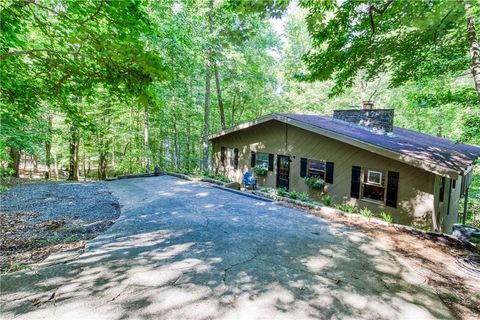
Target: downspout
465	205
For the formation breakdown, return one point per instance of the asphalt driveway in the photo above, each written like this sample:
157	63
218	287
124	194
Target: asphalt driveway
184	250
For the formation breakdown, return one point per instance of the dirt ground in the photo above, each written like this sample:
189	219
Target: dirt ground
433	256
41	218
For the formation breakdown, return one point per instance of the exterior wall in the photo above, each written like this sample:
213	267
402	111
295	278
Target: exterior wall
415	202
448	208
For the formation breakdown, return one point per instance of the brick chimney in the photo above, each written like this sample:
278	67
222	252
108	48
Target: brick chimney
377	120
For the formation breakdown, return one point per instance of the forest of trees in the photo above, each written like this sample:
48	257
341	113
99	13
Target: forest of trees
114	87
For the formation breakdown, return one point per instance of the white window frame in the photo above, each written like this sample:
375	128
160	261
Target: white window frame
373	182
262	163
320	171
363	183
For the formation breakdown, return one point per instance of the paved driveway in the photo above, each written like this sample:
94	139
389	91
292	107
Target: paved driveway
183	250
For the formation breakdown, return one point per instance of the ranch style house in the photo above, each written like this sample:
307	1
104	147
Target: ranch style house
358	157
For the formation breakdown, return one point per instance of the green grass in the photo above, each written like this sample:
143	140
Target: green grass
346	207
327	200
282	192
366	212
387	217
449	296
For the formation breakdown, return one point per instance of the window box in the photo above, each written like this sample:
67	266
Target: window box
260	171
314	182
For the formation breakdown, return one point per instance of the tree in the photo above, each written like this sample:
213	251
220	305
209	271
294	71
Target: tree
413	40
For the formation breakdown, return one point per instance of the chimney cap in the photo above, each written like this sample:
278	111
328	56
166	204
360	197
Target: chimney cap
367	105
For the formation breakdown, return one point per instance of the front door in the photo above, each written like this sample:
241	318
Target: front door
283	172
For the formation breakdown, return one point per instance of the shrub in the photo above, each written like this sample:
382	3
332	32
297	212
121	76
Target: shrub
346	207
260	171
366	212
387	217
282	192
219	177
327	200
304	197
315	183
266	190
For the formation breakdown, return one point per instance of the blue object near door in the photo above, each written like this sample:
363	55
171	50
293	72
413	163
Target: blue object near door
249	180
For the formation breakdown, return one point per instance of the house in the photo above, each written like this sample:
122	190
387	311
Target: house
360	157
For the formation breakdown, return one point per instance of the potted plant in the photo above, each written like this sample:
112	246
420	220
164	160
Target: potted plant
260	171
314	182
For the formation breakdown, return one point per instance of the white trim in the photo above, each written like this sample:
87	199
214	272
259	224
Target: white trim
373	182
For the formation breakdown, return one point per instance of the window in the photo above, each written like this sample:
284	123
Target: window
374	177
373	185
262	160
316	169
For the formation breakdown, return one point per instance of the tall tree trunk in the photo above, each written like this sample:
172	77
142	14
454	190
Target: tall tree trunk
146	131
219	96
474	48
48	149
55	166
206	116
15	163
73	154
232	119
176	156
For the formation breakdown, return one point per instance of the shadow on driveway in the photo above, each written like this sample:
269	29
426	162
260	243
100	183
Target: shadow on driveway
186	250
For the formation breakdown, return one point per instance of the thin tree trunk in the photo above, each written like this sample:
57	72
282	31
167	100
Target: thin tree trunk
48	149
84	166
146	131
175	136
474	48
15	164
25	161
232	119
73	154
55	166
219	96
206	117
35	163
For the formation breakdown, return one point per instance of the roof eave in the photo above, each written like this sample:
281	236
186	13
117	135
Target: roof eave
421	164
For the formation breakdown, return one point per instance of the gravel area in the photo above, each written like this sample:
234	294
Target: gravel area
40	218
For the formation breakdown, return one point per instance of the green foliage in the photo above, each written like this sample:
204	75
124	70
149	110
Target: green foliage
315	183
219	177
354	36
346	207
387	217
302	196
327	200
366	212
282	192
260	171
15	265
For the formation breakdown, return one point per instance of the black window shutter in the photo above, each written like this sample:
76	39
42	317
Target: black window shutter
303	167
355	186
392	189
329	172
253	159
270	162
235	158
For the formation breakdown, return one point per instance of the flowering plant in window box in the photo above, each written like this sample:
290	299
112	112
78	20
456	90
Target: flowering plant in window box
314	182
260	171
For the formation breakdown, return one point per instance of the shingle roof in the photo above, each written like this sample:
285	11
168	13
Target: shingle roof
423	147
